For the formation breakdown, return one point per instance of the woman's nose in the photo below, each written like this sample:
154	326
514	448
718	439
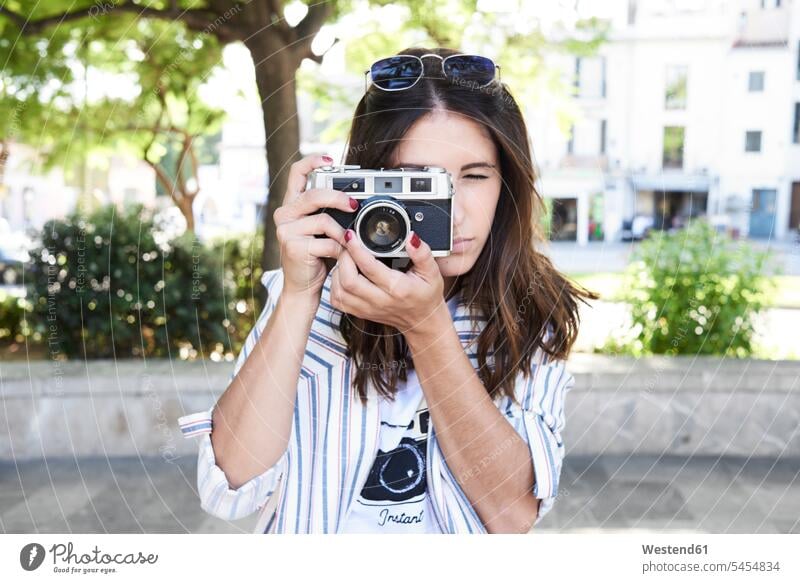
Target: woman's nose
458	213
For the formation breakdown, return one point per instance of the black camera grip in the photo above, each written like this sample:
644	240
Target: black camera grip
345	219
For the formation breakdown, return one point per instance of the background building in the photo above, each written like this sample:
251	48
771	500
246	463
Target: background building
690	108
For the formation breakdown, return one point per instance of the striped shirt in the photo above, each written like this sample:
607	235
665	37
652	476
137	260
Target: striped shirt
334	437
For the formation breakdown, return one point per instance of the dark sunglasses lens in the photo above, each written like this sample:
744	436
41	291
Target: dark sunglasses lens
470	68
396	72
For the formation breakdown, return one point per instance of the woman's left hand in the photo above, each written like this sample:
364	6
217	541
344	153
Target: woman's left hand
408	301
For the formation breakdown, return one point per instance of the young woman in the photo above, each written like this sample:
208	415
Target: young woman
425	400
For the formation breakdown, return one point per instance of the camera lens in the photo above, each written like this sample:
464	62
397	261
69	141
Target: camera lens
383	227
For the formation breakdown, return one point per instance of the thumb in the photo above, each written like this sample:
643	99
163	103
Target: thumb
421	257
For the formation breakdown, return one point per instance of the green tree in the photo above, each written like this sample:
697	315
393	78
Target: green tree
164	123
27	75
169	65
278	48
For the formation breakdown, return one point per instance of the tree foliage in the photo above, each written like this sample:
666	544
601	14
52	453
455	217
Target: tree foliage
278	48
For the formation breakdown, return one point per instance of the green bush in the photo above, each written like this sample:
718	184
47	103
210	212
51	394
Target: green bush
693	291
14	315
240	255
112	284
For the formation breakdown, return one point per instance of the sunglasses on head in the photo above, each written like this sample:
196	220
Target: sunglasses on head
403	71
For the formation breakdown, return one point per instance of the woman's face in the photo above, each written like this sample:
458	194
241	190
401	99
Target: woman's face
463	148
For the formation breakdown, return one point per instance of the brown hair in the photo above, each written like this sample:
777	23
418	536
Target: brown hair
508	272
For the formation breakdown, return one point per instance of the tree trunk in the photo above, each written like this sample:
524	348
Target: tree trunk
275	68
182	199
277	51
4	153
186	206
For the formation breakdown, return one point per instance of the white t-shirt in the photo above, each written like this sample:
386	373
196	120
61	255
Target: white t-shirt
394	498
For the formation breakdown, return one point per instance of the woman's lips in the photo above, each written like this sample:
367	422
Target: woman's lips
460	244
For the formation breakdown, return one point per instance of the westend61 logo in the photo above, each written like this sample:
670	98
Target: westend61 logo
32	556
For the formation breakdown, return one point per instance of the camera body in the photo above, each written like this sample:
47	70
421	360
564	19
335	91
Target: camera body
392	202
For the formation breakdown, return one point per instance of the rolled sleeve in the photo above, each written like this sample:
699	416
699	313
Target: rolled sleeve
219	499
539	420
216	496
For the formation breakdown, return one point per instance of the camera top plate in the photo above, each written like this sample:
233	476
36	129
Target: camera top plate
352	167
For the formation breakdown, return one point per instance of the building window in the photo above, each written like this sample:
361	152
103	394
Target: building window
586	139
563	215
603	78
673	146
27	205
261	209
571	140
675	87
752	141
590	77
796	127
755	81
632	4
603	134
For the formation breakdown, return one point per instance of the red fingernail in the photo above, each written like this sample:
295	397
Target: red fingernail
348	234
415	240
353	203
327	159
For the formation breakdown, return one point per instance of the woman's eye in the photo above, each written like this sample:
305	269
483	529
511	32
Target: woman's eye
476	177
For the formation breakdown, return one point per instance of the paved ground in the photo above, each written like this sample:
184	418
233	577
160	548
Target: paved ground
612	493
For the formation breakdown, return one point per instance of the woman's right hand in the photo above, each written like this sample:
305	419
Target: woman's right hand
304	271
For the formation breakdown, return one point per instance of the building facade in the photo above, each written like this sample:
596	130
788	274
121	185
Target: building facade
690	109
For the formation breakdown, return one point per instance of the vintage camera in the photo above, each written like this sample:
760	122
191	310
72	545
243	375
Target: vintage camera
392	203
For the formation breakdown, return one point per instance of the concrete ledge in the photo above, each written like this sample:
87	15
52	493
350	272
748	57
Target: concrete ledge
654	406
683	406
682	373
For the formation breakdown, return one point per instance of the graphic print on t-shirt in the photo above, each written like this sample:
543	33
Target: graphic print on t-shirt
399	475
394	497
396	485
